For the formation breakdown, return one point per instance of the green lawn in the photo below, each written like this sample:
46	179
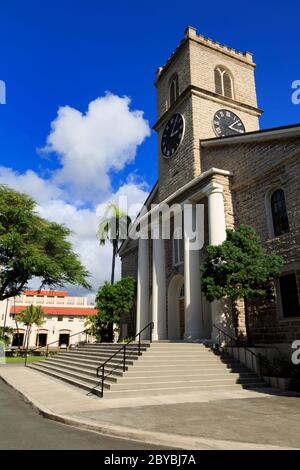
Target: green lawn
15	360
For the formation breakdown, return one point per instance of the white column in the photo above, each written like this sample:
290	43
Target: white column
158	287
143	287
192	286
216	213
217	234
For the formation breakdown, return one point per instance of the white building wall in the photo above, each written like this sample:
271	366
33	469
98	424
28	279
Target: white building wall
52	326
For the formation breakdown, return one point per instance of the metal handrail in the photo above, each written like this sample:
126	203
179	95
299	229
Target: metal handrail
259	359
52	342
125	356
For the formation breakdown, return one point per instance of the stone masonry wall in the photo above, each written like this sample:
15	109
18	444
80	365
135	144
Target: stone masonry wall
258	169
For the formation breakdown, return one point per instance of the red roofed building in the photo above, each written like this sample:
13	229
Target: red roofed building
65	317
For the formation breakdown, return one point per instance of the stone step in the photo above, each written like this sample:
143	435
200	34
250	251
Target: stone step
96	364
92	363
219	369
82	352
80	374
186	355
82	377
183	362
115	345
107	350
112	394
97	359
183	346
72	381
81	370
182	383
91	368
186	378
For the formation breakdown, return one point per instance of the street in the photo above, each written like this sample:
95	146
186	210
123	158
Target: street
22	428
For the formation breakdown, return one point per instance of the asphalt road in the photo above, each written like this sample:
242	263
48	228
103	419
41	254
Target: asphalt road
22	428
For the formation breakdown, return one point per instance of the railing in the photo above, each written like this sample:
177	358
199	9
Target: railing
237	344
125	355
46	347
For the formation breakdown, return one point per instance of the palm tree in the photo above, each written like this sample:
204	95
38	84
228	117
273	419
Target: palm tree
5	334
90	326
113	227
31	316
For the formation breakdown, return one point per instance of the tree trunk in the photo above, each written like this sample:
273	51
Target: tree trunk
110	328
113	265
110	332
25	338
248	332
235	318
28	337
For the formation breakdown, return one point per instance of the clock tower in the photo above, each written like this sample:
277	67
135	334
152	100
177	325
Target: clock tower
205	90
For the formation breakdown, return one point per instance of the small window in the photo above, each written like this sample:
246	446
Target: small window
178	248
181	294
70	319
279	213
60	318
218	82
174	89
223	82
289	296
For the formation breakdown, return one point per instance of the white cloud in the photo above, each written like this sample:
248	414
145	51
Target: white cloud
40	189
91	145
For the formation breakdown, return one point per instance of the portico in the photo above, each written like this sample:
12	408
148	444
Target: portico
153	261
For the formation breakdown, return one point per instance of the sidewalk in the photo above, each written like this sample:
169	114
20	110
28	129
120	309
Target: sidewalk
243	419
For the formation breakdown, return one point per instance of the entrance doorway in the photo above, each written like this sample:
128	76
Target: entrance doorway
18	339
64	340
176	310
41	339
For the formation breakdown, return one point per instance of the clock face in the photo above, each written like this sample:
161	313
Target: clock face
227	123
172	135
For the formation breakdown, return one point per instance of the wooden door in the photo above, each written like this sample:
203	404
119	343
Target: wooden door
181	318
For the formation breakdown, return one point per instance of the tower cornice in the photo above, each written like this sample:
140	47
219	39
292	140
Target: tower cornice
210	95
190	34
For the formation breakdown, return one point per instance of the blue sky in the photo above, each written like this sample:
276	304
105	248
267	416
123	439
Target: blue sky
56	53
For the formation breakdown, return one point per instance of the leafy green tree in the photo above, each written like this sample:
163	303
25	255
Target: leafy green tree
6	334
112	300
240	268
31	246
90	326
32	315
113	227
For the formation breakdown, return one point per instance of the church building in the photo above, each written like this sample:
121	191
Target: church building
211	151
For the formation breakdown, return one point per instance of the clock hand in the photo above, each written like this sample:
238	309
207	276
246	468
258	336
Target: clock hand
174	133
234	128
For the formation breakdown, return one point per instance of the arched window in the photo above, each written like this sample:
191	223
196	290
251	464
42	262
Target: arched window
181	293
218	82
223	82
279	213
174	89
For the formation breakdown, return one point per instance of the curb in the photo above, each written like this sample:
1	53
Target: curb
173	441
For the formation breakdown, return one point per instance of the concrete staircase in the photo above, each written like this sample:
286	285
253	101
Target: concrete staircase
78	366
165	368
